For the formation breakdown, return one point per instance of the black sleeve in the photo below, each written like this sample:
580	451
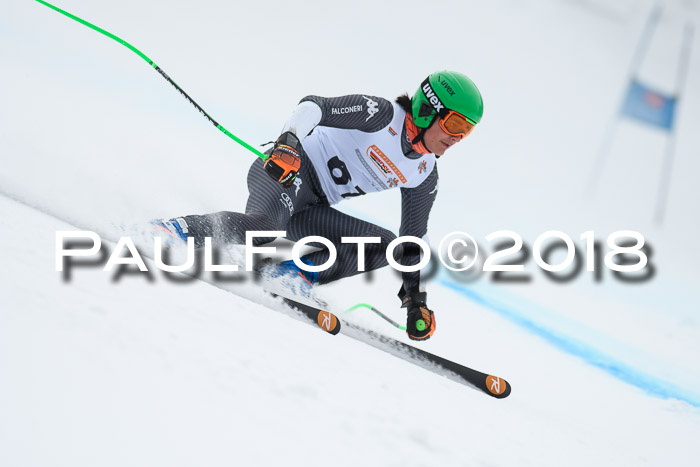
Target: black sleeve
416	204
354	112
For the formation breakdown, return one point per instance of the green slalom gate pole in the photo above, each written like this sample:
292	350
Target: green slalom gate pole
379	313
159	70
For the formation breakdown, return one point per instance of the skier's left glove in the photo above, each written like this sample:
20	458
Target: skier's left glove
420	320
284	162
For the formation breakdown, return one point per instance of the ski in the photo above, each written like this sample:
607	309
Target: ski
492	385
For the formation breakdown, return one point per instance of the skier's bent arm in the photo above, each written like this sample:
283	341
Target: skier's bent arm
416	204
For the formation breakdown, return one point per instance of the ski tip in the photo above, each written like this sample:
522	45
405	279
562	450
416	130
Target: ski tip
497	387
324	318
328	322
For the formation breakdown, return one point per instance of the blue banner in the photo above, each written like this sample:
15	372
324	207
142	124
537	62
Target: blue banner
649	106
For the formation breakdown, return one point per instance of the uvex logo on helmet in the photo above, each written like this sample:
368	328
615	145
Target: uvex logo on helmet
447	87
432	97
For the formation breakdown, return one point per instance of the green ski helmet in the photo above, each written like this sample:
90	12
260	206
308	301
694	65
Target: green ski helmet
444	91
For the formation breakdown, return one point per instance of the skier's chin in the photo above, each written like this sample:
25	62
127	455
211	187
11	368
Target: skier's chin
440	149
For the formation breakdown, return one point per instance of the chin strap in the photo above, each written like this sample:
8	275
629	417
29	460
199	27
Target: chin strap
418	139
415	135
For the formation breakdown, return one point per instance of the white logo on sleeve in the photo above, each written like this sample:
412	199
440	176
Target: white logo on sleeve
287	201
297	184
345	110
372	107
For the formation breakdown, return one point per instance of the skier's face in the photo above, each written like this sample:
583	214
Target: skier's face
437	141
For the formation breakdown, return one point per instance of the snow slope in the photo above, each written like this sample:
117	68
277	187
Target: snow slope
95	371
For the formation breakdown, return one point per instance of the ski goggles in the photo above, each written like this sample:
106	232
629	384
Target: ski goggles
455	124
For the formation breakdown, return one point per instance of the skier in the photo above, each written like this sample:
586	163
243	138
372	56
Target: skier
340	147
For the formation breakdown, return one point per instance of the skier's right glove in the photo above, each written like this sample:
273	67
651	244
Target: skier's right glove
284	162
420	320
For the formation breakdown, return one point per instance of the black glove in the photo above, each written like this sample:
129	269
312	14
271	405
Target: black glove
420	320
284	162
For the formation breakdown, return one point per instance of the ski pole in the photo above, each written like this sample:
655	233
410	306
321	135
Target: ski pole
379	313
159	70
